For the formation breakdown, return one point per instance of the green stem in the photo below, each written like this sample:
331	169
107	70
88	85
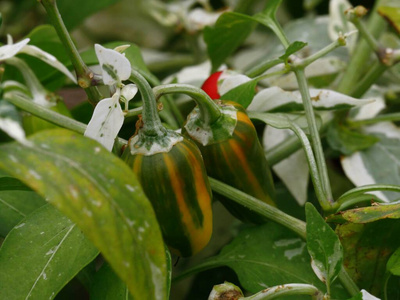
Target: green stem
368	80
361	54
209	110
344	204
259	207
84	74
380	118
290	289
302	63
369	188
315	138
369	38
348	282
283	150
262	67
151	120
50	115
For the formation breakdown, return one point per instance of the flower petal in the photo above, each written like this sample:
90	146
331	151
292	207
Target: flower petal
48	59
115	66
106	122
129	91
8	51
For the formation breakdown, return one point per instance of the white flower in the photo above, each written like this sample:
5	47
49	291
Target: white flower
108	116
10	50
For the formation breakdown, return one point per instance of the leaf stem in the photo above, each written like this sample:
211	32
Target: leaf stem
209	110
262	67
83	73
368	80
315	139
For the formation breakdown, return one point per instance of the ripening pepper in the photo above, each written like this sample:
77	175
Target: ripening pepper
231	150
172	173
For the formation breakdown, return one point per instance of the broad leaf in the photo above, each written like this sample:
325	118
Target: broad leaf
276	99
41	255
393	264
234	28
269	255
9	183
367	248
378	164
101	195
16	205
324	246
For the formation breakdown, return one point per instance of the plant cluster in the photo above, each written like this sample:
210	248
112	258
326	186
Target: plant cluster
189	168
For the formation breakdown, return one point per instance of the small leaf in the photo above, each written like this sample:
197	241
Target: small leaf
234	28
106	122
41	255
114	65
276	99
293	48
393	264
102	196
324	246
347	141
242	94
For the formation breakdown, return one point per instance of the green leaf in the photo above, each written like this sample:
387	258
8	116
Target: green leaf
108	286
367	248
267	16
16	205
74	12
10	183
324	246
242	94
98	192
269	255
371	213
392	14
293	48
347	141
393	264
234	28
41	255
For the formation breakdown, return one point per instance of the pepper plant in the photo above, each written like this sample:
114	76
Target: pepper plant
185	175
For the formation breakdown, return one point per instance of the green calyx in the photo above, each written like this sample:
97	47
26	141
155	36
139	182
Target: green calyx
220	130
152	136
152	144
